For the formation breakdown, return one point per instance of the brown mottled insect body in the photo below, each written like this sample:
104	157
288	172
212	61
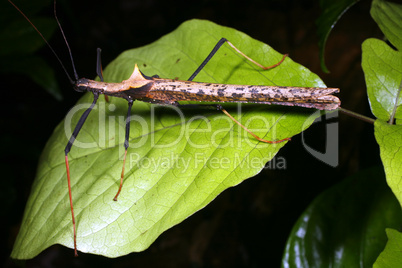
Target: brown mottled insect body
169	91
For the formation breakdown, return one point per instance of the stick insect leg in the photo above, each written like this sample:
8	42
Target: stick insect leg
126	143
253	61
208	58
218	46
219	107
77	129
99	71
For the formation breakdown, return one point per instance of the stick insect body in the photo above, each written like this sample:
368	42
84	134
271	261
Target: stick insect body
170	92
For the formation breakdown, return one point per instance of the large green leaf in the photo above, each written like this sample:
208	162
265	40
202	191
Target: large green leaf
344	226
392	254
178	161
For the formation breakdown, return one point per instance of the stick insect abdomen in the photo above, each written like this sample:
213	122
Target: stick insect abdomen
171	90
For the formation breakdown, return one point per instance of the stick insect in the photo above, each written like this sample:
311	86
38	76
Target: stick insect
162	91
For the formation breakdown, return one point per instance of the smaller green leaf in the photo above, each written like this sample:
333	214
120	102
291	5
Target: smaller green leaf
35	68
382	65
388	16
382	68
20	41
392	254
19	37
8	13
331	13
389	138
344	226
44	75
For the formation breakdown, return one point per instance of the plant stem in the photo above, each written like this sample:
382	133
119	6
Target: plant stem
391	120
358	116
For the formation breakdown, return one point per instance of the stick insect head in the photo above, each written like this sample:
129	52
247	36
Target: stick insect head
82	85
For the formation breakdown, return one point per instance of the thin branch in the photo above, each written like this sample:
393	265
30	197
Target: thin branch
358	116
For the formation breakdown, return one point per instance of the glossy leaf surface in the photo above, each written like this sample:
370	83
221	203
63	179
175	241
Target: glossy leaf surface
332	11
345	225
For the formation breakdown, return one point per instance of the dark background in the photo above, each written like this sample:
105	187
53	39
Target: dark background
246	226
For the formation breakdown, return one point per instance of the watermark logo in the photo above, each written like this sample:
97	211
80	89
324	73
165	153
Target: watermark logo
199	132
200	160
330	156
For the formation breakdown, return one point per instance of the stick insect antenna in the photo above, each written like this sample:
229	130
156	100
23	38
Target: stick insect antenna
47	43
65	40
